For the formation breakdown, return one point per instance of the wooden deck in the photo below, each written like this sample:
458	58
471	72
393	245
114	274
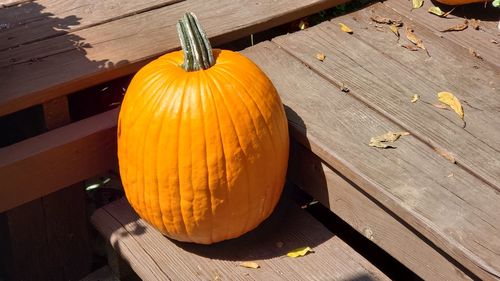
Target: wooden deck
432	202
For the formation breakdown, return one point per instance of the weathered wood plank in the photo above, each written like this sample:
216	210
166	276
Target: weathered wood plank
387	86
34	21
154	257
57	159
456	213
38	72
310	173
479	40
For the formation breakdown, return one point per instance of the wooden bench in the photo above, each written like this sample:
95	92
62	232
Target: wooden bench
48	51
154	257
432	202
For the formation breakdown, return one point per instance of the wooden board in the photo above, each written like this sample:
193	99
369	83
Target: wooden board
369	218
31	73
56	159
479	40
154	257
34	21
387	86
456	213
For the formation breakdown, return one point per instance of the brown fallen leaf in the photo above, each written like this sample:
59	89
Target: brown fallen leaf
457	27
474	23
447	155
320	56
383	141
249	264
395	30
410	47
474	53
450	100
436	11
414	39
300	252
417	4
379	19
415	98
345	28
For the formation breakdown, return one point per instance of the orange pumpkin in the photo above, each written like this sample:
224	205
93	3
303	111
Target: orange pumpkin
202	142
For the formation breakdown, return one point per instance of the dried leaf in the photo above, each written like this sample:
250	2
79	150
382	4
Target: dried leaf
379	19
303	24
474	23
410	47
383	141
344	28
457	27
494	41
417	4
300	252
474	53
415	98
249	264
394	30
450	100
450	175
447	13
445	154
320	56
414	39
343	88
436	11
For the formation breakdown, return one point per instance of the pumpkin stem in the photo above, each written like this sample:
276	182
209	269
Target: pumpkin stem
194	42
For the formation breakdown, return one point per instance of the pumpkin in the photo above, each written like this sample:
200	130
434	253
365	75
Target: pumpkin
202	141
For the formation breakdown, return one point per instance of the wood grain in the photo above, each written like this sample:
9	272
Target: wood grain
387	86
455	213
154	257
34	21
310	173
31	74
479	40
57	159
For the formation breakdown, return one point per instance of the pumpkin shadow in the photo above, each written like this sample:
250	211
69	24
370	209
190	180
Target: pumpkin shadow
472	11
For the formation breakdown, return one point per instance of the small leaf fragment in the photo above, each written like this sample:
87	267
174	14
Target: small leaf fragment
447	13
475	53
383	141
474	23
299	252
417	4
436	11
320	56
447	155
394	30
249	264
345	28
415	98
379	19
410	47
450	100
303	24
457	27
450	175
343	88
